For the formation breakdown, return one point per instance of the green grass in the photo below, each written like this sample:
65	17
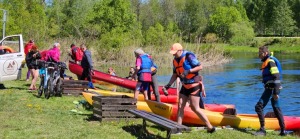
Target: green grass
23	115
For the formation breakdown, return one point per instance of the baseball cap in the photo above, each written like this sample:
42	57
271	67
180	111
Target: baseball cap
175	47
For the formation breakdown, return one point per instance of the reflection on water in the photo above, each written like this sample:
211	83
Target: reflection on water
239	83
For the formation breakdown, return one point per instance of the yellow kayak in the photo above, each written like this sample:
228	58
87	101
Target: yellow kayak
219	119
216	118
169	99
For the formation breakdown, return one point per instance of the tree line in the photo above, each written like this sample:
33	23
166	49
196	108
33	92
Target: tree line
117	23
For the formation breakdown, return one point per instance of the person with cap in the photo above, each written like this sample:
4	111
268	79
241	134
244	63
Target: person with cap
87	65
143	71
27	48
271	81
53	55
186	67
31	60
76	53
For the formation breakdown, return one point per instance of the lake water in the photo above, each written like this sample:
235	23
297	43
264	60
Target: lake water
239	83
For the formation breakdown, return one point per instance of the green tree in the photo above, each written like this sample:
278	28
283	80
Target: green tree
115	23
26	17
282	19
221	20
255	10
241	33
295	7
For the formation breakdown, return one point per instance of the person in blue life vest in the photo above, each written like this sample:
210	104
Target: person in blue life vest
186	66
143	71
271	81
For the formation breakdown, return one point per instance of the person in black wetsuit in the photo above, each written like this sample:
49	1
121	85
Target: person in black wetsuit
271	81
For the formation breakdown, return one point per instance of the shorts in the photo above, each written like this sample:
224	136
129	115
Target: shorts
145	76
190	89
142	86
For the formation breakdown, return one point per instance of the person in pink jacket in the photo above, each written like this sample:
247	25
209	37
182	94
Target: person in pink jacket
53	55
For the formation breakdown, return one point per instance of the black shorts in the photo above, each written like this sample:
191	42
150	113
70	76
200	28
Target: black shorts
191	91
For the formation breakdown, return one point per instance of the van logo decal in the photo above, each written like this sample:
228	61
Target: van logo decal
10	67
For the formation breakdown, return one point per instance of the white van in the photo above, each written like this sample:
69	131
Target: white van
11	57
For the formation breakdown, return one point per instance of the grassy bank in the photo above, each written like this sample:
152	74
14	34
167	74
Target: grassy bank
23	115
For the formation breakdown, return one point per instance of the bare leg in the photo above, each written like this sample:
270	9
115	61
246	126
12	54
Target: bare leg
136	94
181	104
35	75
195	107
145	94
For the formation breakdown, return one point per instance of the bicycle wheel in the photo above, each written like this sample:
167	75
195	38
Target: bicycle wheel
49	87
41	87
59	88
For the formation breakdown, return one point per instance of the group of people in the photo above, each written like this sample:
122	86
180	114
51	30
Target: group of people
33	55
80	55
186	67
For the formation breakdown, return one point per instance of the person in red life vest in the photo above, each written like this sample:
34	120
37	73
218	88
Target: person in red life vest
272	84
27	48
31	60
186	67
143	72
53	55
76	53
43	54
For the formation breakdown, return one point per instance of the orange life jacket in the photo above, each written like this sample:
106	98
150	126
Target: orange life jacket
181	66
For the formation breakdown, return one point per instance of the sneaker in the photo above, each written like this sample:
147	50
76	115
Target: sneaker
282	133
212	130
260	132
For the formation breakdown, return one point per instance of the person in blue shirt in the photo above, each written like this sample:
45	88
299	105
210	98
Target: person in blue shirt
87	65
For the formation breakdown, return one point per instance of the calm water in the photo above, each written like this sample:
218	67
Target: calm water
239	83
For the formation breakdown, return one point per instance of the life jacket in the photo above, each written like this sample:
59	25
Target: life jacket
268	71
277	62
182	65
146	63
77	54
6	49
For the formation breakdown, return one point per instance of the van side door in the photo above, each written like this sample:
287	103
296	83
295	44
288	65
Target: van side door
11	57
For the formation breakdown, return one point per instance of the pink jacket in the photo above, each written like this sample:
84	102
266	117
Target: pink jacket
53	55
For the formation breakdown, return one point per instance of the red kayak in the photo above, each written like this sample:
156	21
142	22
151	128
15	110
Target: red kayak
129	84
123	82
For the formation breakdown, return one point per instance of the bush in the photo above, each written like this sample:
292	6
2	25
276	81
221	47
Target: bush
241	33
210	38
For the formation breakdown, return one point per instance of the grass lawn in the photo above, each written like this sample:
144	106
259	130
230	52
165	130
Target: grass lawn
23	115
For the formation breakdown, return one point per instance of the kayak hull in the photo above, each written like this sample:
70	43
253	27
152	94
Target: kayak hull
216	118
211	107
123	82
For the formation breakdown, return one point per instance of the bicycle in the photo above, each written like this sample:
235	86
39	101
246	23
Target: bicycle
46	74
58	78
